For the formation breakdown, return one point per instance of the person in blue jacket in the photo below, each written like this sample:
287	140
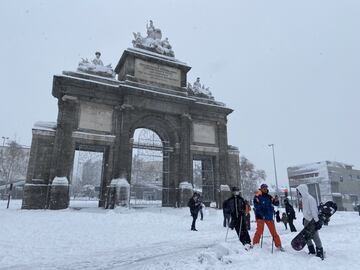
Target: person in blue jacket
264	214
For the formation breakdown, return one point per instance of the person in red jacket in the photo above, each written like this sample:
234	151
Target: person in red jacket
264	214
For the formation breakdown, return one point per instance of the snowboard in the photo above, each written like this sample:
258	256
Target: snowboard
326	210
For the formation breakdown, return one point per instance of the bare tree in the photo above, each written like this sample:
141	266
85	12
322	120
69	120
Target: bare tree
250	178
13	162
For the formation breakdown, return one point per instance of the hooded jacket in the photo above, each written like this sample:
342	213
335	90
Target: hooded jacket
310	209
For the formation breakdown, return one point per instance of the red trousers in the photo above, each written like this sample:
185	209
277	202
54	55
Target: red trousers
260	229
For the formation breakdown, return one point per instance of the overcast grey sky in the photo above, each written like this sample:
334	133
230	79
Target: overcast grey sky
289	69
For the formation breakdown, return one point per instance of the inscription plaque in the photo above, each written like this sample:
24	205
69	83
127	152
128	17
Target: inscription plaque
95	116
157	73
203	133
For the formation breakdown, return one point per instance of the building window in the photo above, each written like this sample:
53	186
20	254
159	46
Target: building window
341	179
358	177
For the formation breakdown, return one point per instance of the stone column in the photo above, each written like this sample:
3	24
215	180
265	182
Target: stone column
223	153
123	145
37	178
222	157
64	146
185	157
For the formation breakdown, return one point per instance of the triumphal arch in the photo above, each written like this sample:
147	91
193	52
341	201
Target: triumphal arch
99	109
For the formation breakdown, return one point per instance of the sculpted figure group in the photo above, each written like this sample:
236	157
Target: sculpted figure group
153	41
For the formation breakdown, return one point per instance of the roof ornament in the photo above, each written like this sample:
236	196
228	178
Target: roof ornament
153	41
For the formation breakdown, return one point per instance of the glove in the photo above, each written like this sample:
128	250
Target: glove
318	225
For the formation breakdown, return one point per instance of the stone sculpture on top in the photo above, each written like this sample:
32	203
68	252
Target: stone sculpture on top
153	41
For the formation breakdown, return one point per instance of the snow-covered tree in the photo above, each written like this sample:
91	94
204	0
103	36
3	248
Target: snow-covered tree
250	177
13	162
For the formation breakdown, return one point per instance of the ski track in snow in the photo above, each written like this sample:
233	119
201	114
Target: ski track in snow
158	239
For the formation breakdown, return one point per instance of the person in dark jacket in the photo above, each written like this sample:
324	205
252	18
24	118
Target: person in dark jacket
290	212
276	203
226	213
237	209
264	214
247	212
194	205
284	220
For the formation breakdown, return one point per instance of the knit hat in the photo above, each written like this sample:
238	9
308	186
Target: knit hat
263	186
234	189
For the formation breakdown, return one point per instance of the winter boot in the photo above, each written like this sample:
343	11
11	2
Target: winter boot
311	249
320	253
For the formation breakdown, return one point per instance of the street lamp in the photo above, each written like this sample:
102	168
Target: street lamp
276	181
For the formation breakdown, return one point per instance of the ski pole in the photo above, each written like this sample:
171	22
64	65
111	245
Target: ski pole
240	228
272	242
262	236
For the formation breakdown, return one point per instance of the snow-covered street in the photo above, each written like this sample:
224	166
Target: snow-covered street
157	238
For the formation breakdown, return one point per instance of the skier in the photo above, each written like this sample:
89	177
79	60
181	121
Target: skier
237	208
290	212
310	212
264	211
195	205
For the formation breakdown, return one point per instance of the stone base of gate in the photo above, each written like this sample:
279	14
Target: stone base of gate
223	194
35	196
186	192
59	194
118	193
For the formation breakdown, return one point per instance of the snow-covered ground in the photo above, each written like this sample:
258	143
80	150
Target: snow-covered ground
158	238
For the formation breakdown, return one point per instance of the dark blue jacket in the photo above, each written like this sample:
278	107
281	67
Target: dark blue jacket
263	206
235	207
195	206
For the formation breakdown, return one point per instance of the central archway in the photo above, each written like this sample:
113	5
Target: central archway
148	169
153	179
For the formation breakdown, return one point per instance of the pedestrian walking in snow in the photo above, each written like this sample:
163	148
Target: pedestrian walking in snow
310	212
290	213
247	212
226	213
194	205
276	201
202	207
284	220
264	214
300	206
237	208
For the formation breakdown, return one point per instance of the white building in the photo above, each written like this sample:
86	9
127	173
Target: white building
328	180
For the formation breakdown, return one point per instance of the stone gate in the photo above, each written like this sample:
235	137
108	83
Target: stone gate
99	109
